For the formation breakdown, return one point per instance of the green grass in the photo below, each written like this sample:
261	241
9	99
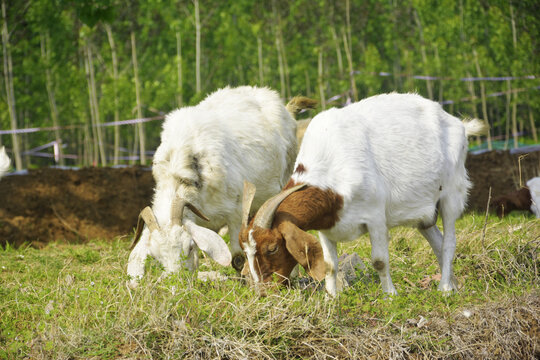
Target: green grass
71	302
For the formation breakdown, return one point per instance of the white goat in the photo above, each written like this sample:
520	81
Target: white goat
388	160
205	154
4	162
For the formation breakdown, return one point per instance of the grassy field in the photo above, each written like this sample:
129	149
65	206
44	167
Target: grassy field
71	302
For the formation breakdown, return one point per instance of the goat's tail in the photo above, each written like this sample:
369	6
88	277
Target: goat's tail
4	162
298	103
475	127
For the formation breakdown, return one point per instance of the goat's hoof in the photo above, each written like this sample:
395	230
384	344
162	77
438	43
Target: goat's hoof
238	262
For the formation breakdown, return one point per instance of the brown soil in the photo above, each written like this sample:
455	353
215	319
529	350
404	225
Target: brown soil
72	205
78	205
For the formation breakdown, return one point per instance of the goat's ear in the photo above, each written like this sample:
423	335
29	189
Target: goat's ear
305	248
210	242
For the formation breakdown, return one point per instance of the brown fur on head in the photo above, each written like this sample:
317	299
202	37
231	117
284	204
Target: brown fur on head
278	250
516	200
275	241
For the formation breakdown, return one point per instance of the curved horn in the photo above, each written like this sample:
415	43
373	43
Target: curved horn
265	215
145	217
249	194
177	210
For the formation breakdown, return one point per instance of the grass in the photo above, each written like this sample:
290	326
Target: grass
71	302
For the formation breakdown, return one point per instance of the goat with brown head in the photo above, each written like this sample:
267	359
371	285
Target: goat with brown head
280	228
388	160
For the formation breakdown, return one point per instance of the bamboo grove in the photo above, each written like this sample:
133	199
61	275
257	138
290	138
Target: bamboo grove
74	70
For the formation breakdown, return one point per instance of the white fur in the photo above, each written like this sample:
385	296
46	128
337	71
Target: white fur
391	157
4	162
236	134
534	187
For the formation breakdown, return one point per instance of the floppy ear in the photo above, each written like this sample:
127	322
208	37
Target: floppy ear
305	248
210	242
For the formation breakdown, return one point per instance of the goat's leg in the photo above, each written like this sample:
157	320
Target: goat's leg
435	239
449	216
378	235
331	259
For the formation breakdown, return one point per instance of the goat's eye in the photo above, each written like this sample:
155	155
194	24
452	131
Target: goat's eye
272	249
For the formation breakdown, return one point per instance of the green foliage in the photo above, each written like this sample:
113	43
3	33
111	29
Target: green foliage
385	37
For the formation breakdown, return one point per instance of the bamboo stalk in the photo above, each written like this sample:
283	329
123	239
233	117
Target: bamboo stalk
320	80
197	47
423	52
180	89
140	125
483	96
94	103
260	59
10	92
46	58
115	93
347	43
354	92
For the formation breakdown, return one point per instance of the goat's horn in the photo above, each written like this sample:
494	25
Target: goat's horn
177	210
249	194
145	217
265	215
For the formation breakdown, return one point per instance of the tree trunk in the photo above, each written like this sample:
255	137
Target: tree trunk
483	95
197	47
339	58
533	126
115	94
10	92
179	87
260	58
354	92
46	58
279	49
423	52
320	80
140	125
347	44
98	140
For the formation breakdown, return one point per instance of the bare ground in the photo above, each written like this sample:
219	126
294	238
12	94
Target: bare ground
77	205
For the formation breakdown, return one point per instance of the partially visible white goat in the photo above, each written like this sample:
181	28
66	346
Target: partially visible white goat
534	188
205	154
4	162
388	160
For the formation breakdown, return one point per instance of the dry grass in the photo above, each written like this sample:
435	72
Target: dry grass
70	302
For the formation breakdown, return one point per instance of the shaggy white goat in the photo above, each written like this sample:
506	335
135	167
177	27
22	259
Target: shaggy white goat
205	154
4	162
388	160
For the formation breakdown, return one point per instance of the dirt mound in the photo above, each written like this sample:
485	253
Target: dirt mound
501	171
72	205
77	205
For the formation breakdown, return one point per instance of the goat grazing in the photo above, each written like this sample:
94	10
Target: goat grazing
206	152
515	200
388	160
4	162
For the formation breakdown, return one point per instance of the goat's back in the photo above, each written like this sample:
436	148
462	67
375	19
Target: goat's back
235	134
394	153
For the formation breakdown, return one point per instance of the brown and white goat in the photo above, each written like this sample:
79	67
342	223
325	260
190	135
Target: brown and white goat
389	160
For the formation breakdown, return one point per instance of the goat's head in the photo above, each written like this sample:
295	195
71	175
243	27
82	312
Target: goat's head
176	244
276	249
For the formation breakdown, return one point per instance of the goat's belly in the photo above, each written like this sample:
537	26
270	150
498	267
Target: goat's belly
424	217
